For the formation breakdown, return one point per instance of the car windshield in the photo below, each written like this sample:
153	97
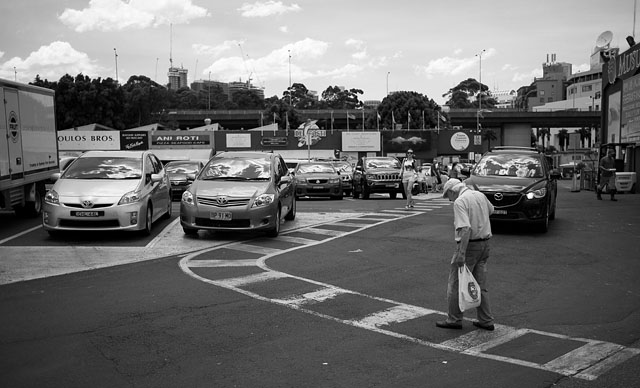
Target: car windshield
237	168
513	165
103	167
182	167
343	167
383	163
314	168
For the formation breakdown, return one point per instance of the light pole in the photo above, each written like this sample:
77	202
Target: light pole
479	55
116	56
388	72
289	51
209	90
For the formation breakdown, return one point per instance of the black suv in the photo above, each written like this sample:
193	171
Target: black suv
520	184
379	174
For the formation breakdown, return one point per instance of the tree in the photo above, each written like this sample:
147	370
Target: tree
247	99
489	135
339	98
142	99
585	134
463	96
396	107
299	96
563	139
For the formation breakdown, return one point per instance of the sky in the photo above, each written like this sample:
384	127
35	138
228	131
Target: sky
376	46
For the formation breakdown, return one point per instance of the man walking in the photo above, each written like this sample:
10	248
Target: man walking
607	168
471	211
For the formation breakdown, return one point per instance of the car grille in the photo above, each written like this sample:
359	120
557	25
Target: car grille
206	222
215	201
508	199
65	223
317	181
387	177
96	206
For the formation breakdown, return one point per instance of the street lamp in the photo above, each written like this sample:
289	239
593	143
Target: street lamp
388	72
289	51
209	90
479	55
116	55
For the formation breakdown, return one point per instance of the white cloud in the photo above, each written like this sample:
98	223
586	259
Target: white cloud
115	15
50	62
263	9
214	51
274	65
284	29
452	66
527	77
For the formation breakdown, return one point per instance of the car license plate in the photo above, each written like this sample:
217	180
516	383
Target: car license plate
318	187
395	185
221	216
499	212
86	213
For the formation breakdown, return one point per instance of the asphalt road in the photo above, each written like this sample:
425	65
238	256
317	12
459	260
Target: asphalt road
347	296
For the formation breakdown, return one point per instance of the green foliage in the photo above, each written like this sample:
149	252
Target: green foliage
463	96
335	97
396	107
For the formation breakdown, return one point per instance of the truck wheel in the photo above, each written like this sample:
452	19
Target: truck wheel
32	208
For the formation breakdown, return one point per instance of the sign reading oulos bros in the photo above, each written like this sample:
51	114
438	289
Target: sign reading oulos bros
88	140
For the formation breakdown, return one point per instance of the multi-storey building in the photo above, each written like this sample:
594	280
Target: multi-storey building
177	78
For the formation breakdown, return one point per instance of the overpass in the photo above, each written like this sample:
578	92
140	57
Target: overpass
466	118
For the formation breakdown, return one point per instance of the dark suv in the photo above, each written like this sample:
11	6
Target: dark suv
379	174
520	184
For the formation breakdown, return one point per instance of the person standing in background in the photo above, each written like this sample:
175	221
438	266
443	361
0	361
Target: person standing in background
409	174
607	169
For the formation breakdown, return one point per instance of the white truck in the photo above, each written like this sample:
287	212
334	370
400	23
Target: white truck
28	146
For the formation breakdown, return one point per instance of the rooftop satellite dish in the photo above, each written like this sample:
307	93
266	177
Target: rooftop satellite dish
604	39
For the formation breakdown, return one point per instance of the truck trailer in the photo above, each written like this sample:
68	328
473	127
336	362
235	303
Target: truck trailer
28	146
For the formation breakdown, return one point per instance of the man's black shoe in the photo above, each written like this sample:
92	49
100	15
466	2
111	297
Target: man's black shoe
613	199
447	325
489	327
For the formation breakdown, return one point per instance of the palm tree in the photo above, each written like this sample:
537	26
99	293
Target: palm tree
563	136
488	135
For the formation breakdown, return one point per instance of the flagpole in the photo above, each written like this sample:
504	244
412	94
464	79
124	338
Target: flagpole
423	120
347	121
362	120
331	121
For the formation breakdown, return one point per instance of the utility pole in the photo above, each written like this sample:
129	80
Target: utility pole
289	51
479	92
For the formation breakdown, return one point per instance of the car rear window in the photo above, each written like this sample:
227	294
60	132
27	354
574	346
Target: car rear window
309	168
513	165
104	168
237	168
383	163
182	167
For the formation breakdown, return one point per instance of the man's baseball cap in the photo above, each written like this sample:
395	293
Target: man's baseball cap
450	184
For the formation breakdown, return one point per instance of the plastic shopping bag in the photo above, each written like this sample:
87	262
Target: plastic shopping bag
468	289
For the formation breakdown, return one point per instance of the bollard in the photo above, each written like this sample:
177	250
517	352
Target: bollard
575	186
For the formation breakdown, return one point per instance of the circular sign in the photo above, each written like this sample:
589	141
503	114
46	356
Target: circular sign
459	141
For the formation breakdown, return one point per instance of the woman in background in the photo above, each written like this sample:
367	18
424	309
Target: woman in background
409	175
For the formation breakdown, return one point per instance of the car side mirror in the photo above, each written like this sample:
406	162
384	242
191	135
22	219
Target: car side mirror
555	174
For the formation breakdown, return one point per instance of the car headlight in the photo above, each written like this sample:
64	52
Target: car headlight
52	197
188	198
537	193
263	200
334	180
371	177
130	197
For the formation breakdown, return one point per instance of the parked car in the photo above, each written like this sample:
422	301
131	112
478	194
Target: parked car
346	173
520	184
239	191
318	179
181	175
379	174
108	190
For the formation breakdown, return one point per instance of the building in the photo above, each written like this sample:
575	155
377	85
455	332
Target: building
177	78
208	85
239	85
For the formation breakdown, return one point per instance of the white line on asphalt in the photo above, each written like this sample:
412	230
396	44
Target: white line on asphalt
20	234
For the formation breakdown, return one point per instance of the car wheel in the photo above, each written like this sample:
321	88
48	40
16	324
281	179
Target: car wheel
291	215
190	231
148	221
552	214
54	233
543	226
275	231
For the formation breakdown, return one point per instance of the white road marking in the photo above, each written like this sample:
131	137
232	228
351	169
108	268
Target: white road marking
586	362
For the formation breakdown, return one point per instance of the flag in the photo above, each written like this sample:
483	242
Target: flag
408	120
331	121
378	113
393	122
287	120
350	116
378	120
441	117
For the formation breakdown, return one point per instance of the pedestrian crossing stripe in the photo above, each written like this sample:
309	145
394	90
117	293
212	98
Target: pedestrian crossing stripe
588	361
